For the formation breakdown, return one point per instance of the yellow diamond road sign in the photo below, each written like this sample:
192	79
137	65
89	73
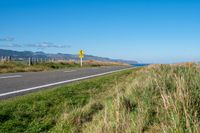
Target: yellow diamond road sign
81	54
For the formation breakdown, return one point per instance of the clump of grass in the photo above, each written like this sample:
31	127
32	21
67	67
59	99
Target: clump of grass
161	98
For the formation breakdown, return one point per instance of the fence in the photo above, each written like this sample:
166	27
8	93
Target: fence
5	58
32	61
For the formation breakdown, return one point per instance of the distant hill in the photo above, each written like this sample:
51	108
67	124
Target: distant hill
28	54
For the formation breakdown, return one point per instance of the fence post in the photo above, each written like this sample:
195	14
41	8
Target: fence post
1	58
29	61
9	58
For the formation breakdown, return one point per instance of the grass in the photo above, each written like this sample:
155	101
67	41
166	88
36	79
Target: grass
48	110
157	98
11	67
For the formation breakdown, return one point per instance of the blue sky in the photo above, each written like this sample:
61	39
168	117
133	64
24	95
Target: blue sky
153	31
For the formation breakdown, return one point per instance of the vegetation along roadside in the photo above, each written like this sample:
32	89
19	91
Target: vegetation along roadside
156	98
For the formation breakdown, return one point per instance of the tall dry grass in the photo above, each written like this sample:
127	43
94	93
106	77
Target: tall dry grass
8	67
158	98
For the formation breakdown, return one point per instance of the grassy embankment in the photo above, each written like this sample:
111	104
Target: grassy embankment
8	67
157	98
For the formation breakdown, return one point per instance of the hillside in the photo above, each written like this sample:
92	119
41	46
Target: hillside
27	54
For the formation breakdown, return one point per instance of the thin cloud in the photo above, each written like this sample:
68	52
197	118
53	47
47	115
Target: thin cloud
47	45
7	39
11	45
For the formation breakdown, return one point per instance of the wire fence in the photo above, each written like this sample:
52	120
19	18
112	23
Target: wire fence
32	61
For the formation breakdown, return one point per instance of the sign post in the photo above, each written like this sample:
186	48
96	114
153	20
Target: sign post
81	62
81	56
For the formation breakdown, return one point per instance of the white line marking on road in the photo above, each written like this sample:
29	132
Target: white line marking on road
69	71
61	82
14	76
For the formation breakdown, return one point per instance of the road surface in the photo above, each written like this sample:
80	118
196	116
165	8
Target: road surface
15	84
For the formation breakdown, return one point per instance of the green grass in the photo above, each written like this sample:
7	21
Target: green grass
44	111
157	98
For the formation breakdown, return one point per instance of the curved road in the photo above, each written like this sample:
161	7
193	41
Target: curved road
15	84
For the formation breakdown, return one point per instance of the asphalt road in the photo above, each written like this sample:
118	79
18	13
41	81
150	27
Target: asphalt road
15	84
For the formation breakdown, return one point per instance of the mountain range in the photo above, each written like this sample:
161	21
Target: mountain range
28	54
